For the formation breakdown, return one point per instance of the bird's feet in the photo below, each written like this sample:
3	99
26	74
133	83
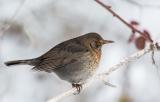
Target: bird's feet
78	87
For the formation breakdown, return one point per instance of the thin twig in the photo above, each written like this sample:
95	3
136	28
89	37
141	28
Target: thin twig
102	76
121	19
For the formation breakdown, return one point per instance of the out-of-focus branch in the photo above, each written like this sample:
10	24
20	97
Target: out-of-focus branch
108	8
11	20
115	67
136	3
4	28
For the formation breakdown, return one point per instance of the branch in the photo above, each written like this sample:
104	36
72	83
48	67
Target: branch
122	20
115	67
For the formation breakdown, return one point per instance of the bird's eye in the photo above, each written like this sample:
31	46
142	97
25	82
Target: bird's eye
98	44
95	44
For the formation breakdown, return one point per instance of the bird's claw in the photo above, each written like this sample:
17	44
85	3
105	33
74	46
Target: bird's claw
78	87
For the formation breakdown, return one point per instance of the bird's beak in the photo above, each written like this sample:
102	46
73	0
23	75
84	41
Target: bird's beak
107	41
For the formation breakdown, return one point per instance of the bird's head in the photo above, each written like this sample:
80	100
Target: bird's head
94	40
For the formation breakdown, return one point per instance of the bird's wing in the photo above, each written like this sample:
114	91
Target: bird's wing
61	55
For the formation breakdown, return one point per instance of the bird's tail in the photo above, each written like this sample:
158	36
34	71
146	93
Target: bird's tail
19	62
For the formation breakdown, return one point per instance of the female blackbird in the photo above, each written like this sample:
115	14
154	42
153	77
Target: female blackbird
74	60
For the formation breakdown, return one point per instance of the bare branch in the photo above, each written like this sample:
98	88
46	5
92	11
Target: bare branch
121	19
115	67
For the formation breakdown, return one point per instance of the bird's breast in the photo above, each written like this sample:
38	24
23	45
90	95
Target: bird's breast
95	59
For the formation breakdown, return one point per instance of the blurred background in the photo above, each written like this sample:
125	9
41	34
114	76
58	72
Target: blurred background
29	28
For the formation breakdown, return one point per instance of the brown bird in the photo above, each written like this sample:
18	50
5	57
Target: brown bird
74	60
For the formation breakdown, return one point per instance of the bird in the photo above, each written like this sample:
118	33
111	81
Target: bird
75	60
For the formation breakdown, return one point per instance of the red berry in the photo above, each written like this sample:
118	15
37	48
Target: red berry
140	42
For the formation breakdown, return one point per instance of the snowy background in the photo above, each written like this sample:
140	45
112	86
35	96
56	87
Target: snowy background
38	25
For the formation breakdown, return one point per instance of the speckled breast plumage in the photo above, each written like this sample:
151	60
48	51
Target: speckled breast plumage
81	70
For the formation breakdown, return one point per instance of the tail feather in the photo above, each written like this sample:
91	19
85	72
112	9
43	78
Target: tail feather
17	62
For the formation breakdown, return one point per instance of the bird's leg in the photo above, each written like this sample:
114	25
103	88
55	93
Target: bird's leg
78	87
